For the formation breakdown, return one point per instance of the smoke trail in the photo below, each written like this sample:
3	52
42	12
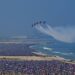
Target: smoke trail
64	34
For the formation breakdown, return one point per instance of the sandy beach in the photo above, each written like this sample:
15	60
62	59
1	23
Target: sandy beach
35	58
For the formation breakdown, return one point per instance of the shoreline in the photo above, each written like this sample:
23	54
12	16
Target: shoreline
36	58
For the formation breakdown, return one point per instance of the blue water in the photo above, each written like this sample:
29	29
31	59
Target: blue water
64	50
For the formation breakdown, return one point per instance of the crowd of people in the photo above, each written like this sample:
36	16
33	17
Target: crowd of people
10	67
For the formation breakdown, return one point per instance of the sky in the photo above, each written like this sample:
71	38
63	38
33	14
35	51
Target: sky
17	16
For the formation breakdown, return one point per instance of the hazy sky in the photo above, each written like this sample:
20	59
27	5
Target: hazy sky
16	16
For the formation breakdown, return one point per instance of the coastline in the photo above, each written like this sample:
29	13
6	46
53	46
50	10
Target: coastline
33	58
36	58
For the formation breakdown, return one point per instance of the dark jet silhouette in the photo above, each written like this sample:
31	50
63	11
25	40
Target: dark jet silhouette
40	22
44	22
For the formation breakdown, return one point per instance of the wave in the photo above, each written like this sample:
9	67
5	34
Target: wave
39	53
63	53
46	48
64	34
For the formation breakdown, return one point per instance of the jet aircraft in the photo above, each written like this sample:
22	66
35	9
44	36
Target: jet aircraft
40	22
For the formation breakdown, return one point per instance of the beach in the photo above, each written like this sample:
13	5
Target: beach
19	58
36	58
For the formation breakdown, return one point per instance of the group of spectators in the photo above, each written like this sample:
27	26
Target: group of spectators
10	67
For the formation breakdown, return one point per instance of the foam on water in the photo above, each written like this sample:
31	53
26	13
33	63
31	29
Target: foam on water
61	50
39	53
63	53
46	48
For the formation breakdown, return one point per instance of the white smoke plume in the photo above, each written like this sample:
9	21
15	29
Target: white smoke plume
64	34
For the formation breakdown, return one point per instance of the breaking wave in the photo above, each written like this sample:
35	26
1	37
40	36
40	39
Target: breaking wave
40	53
63	53
46	48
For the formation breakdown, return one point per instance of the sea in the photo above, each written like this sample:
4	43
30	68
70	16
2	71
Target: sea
47	47
56	48
64	50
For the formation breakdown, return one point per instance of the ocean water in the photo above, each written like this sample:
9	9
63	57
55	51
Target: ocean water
51	48
65	50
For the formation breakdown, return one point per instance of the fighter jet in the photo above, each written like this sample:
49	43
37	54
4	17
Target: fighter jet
40	22
33	24
44	22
